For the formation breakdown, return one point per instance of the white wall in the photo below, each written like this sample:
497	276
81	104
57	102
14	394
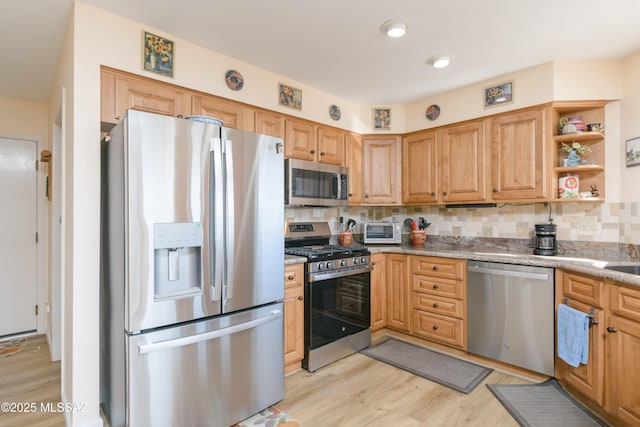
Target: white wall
630	126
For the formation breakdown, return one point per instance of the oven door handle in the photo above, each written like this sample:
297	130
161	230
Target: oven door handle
317	277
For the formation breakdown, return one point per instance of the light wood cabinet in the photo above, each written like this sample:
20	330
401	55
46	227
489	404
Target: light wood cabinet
463	165
378	297
293	315
268	123
231	114
584	293
398	294
381	170
591	175
622	370
121	91
438	299
519	158
300	140
353	161
419	168
330	146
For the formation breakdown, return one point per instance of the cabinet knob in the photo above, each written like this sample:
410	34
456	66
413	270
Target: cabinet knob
366	196
495	190
373	263
322	153
444	193
290	277
433	193
611	329
435	305
434	327
435	286
313	151
435	267
350	194
300	297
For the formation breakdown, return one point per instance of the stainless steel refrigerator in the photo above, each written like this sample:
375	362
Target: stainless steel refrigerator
192	271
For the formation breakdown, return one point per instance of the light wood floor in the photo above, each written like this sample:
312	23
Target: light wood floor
353	392
30	377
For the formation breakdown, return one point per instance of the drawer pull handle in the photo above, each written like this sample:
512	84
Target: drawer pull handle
435	286
300	298
435	305
611	329
435	327
435	268
290	277
313	151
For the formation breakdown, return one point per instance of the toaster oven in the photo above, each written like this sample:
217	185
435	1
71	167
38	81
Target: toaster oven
382	233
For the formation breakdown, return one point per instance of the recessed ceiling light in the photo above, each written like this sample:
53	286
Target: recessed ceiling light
439	61
394	28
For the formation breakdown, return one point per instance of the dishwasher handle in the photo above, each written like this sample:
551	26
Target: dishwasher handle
509	273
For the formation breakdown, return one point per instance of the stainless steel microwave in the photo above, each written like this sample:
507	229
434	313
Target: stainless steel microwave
314	184
380	233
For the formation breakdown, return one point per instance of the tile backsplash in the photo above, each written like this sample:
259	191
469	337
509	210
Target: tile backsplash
576	221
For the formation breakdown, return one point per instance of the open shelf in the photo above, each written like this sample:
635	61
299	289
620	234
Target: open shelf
578	137
579	169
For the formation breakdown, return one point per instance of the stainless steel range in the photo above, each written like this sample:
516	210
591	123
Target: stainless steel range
336	291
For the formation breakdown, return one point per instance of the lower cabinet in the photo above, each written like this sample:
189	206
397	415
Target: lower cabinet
398	295
378	296
438	287
293	316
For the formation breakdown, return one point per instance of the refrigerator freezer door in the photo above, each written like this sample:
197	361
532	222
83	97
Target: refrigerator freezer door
254	166
158	236
210	373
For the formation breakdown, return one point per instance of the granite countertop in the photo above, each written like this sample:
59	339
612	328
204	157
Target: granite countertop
591	266
293	259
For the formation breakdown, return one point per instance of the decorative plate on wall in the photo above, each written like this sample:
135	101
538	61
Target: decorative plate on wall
334	112
234	80
433	112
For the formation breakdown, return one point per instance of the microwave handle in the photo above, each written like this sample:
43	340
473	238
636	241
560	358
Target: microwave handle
337	183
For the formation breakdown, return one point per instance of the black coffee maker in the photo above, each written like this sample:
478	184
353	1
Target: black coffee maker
544	242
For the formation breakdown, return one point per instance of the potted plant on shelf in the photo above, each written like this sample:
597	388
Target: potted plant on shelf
575	150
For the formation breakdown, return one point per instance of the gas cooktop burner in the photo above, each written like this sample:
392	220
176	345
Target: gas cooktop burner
317	252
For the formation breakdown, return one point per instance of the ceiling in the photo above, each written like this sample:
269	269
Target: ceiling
336	46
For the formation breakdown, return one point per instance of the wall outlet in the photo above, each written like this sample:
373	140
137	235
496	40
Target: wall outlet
587	223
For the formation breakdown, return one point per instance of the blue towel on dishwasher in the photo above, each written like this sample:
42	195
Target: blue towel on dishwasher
573	335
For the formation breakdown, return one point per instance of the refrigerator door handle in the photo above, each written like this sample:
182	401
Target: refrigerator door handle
194	339
230	218
216	219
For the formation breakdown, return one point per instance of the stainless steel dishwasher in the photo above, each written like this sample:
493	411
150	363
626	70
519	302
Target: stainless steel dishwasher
510	312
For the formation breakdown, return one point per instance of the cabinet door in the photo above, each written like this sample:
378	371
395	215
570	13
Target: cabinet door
419	168
519	166
300	140
378	296
268	123
293	314
231	114
588	379
462	162
330	146
108	98
353	161
398	292
150	97
381	170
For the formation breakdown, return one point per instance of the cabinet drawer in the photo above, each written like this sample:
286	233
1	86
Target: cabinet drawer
434	304
625	302
583	288
445	330
293	275
440	267
437	286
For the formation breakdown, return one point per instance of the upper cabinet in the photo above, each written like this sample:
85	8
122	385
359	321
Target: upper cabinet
120	92
353	161
518	155
419	168
589	173
463	164
307	141
231	114
330	145
381	169
268	123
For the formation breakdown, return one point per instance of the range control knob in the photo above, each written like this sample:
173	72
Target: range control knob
363	260
329	265
320	267
343	263
356	261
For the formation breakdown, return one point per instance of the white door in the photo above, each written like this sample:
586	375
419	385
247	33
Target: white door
18	257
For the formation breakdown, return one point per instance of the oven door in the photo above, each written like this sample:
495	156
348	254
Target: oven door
336	308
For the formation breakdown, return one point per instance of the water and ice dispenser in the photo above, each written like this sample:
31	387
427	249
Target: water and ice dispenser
177	259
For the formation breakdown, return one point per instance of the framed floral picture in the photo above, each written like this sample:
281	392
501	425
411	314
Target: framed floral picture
289	96
633	151
382	118
158	54
498	95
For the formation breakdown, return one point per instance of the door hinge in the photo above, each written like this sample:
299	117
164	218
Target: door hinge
36	309
36	237
36	165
